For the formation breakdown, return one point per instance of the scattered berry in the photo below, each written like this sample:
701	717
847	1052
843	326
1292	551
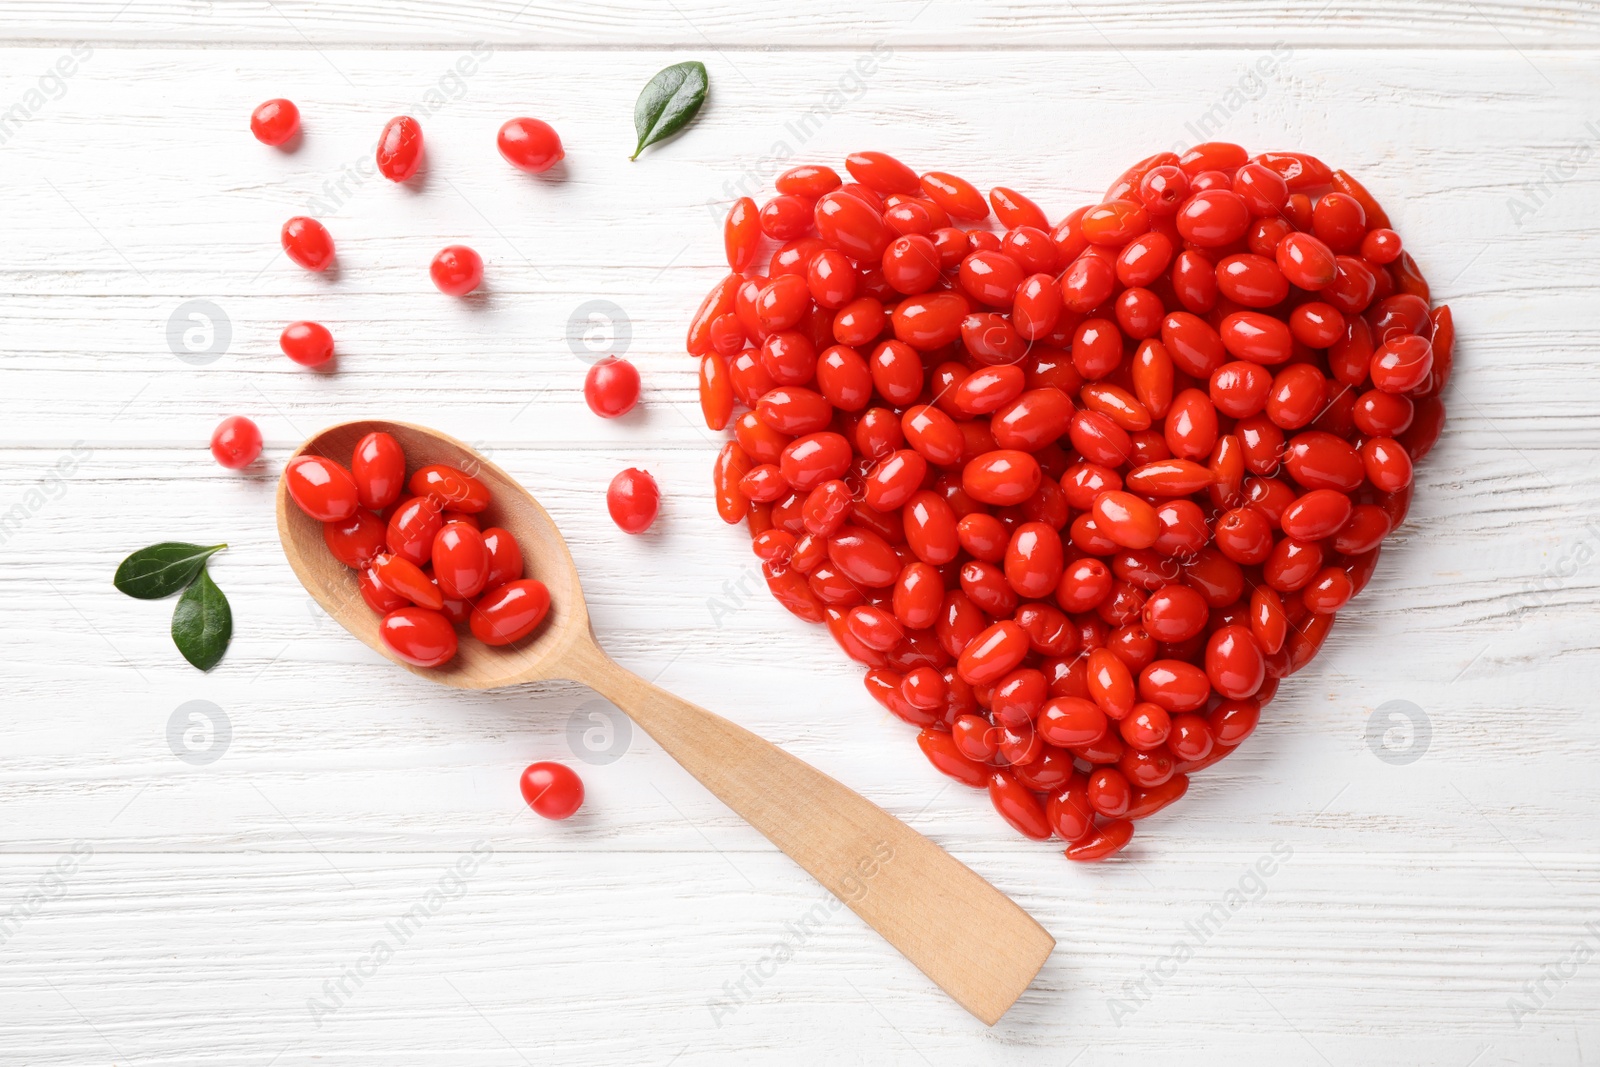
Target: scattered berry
400	148
275	122
554	790
530	145
236	442
633	500
307	343
308	243
457	270
611	387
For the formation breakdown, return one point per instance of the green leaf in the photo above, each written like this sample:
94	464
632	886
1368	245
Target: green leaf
163	569
668	102
202	623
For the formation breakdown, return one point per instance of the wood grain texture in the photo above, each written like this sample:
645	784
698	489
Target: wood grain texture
974	942
1010	24
1424	901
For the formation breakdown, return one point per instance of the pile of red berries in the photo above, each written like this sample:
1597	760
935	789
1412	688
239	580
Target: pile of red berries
1079	496
423	562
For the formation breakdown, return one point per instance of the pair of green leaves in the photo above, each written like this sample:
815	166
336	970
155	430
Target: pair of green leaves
202	623
669	102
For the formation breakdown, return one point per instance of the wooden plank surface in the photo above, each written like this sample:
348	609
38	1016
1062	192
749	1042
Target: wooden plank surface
1425	898
822	24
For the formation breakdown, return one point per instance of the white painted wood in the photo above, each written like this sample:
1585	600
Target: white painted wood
1420	898
1008	24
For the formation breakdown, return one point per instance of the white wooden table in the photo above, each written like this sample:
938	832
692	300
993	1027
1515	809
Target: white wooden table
1435	892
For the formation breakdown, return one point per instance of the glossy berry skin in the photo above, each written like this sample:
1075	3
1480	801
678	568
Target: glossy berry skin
1015	210
308	243
807	462
611	387
911	264
1110	684
457	270
1213	218
1401	364
993	654
1380	246
882	172
508	613
1018	806
955	195
849	224
530	144
275	122
449	488
741	236
460	561
1105	840
236	442
404	578
377	597
553	790
1234	662
356	540
307	343
808	180
321	487
400	148
1315	515
413	527
1387	464
633	500
419	636
1306	261
863	557
1068	721
505	557
378	466
1004	476
1126	519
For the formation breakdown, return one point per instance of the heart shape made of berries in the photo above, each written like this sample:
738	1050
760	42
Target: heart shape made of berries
1078	496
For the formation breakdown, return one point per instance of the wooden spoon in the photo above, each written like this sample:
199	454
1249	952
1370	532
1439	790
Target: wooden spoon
966	935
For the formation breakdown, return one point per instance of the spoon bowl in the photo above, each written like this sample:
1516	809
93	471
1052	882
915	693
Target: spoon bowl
538	657
966	935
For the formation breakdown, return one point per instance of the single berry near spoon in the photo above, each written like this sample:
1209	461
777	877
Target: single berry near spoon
236	442
552	789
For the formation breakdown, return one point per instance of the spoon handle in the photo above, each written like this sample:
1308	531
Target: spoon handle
971	939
